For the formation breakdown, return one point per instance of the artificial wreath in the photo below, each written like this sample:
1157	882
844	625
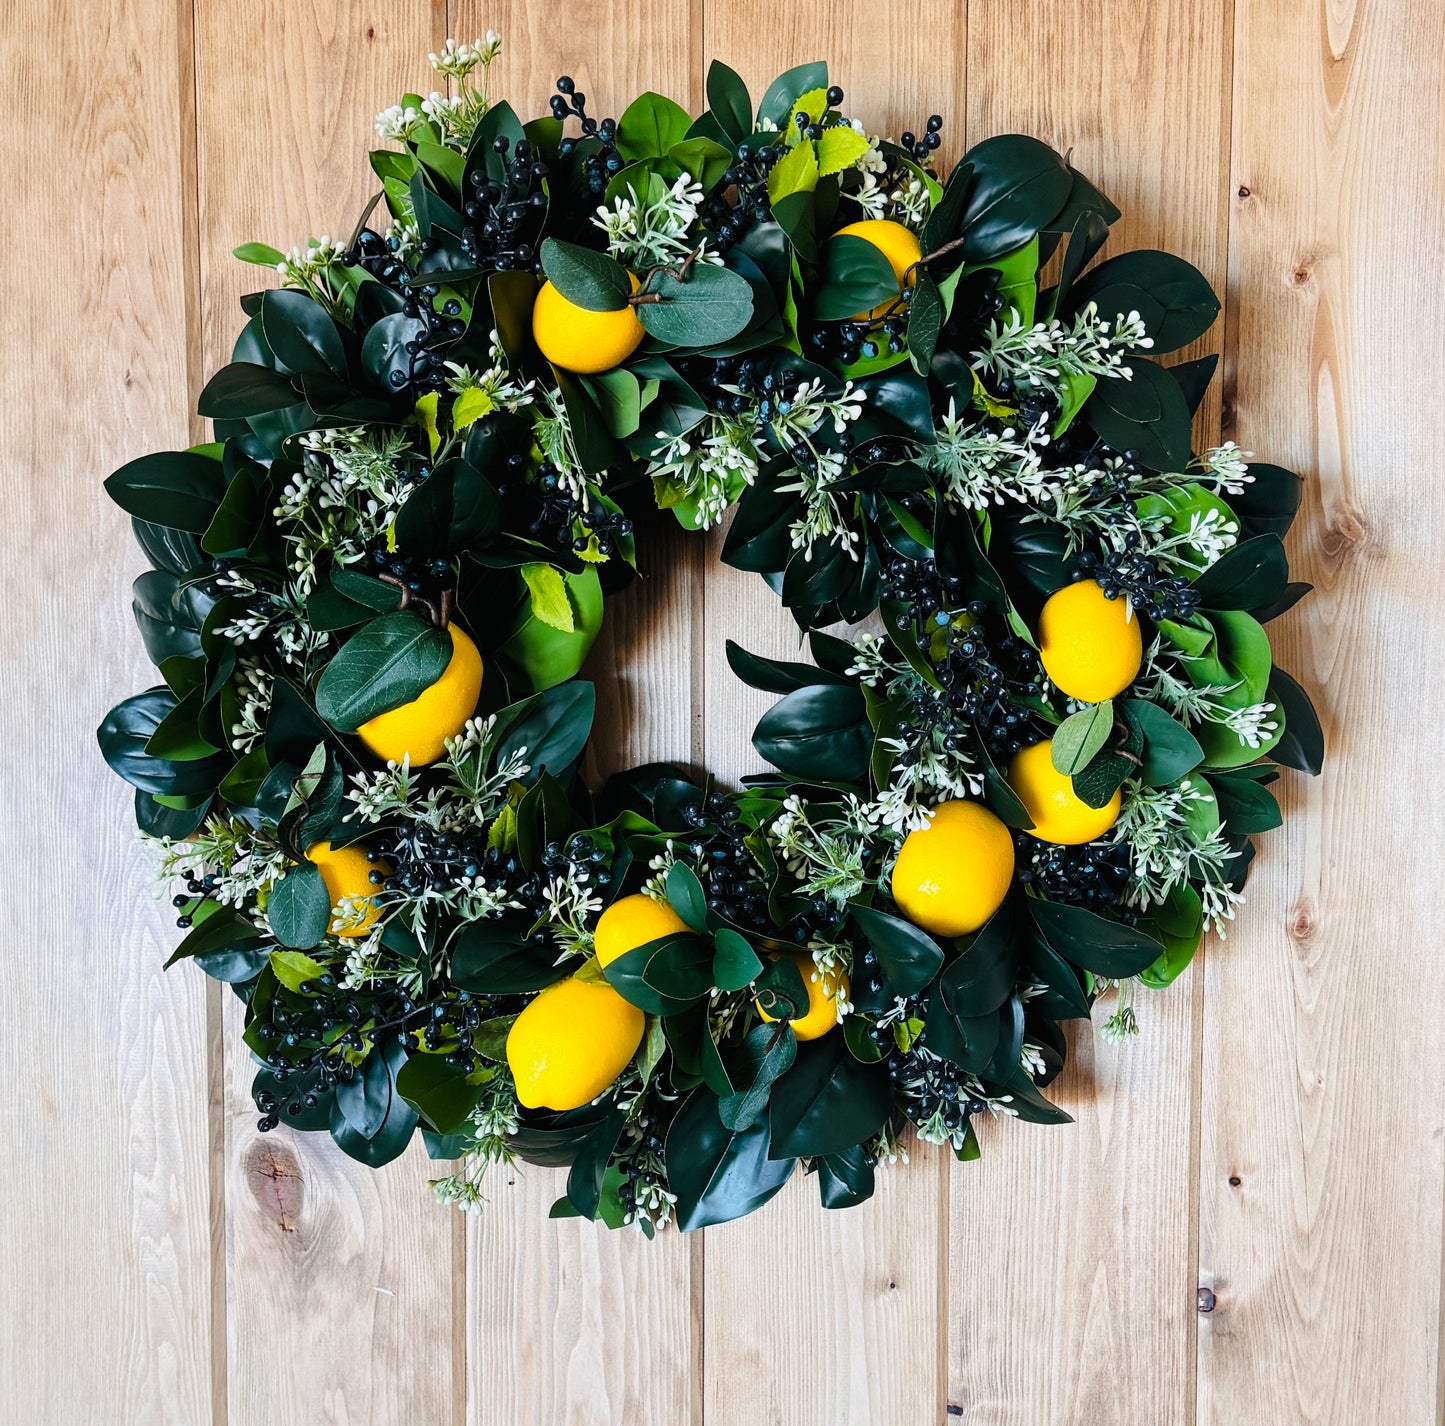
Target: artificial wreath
1029	782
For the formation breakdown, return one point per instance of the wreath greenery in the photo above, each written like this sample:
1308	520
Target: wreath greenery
1032	783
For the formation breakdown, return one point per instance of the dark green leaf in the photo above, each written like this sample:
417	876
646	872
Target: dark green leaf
665	976
1170	749
827	1102
1180	305
299	909
686	896
727	98
734	962
1145	415
441	1092
1085	939
819	733
223	930
719	1175
855	277
246	389
780	989
179	490
908	956
365	1098
1019	185
123	736
301	334
499	958
169	615
586	278
174	551
1245	807
968	1041
767	1052
925	322
777	675
845	1180
454	507
391	1139
550	729
1303	745
785	91
385	664
981	977
1251	576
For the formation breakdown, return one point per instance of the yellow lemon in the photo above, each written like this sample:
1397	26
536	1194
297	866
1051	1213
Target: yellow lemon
822	1013
897	243
575	339
953	874
1058	815
346	872
420	728
1090	644
570	1043
633	921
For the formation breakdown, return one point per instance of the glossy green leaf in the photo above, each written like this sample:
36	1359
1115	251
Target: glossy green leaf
767	1052
827	1102
908	956
586	278
718	1174
387	663
179	490
1099	945
712	306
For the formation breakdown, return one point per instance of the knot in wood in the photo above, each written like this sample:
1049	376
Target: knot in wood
274	1177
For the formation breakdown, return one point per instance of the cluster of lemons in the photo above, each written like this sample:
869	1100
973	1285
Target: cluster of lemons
574	1038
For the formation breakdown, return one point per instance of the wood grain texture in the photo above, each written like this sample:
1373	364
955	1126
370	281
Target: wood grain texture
362	1267
1321	1166
105	1259
566	1324
1093	1322
856	1296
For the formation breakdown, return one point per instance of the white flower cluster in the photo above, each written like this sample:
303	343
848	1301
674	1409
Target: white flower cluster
654	230
352	481
1046	353
275	614
236	861
1225	469
975	467
254	686
1191	704
479	393
303	267
1165	849
457	61
828	858
712	462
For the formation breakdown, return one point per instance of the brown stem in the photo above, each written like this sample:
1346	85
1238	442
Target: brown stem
679	274
439	617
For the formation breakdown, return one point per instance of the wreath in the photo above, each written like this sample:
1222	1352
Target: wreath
1028	782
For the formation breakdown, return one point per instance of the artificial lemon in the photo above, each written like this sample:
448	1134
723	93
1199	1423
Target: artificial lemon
953	874
1058	814
633	921
1090	644
346	873
823	999
578	340
420	729
897	243
570	1043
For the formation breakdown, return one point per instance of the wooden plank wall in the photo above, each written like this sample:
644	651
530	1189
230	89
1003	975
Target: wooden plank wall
1274	1135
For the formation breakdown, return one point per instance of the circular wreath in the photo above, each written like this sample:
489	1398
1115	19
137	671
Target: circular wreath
1030	782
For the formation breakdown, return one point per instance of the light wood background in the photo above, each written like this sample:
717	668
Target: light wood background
1274	1135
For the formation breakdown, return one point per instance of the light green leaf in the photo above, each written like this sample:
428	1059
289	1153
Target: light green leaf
1080	736
294	968
262	254
840	147
796	173
426	418
549	596
471	405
